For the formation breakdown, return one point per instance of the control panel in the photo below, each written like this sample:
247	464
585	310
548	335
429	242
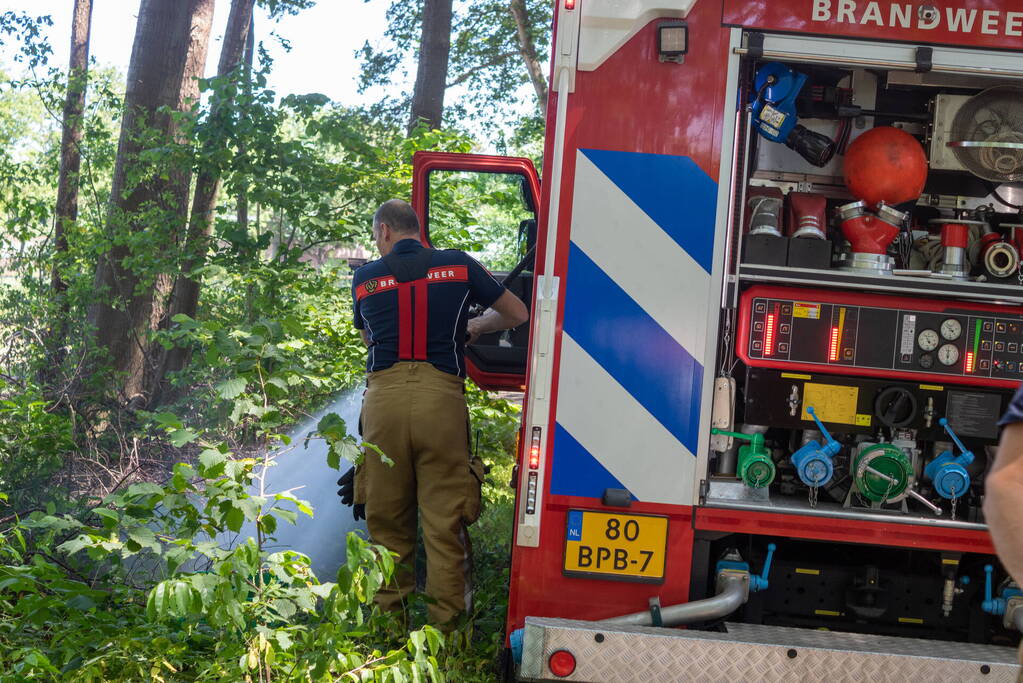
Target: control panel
881	336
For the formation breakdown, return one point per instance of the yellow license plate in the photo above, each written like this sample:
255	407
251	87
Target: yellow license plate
612	545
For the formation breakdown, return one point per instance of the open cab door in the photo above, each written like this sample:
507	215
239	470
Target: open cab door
486	206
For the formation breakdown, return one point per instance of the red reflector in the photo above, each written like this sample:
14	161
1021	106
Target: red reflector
561	663
569	4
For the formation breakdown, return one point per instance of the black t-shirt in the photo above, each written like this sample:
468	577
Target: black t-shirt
456	281
1014	413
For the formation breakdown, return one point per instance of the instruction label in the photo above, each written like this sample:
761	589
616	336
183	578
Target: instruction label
831	402
971	414
809	311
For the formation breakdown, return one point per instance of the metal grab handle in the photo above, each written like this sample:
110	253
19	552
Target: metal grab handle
909	492
986	144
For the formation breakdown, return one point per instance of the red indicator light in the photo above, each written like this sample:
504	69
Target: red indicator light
833	345
569	4
969	362
534	449
769	336
561	663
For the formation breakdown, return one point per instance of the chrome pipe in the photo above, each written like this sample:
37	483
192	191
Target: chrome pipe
733	593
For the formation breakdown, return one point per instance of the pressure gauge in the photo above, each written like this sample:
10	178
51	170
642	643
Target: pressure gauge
928	340
927	361
948	354
951	329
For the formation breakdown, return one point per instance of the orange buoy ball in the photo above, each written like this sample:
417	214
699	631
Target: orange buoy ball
885	164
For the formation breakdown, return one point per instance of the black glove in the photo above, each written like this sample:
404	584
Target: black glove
346	491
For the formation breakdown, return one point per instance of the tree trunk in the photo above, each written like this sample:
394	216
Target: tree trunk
243	194
527	48
432	73
71	138
70	167
207	186
148	201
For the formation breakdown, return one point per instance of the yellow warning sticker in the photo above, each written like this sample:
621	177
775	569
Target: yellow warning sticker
831	402
810	311
827	613
863	420
932	387
910	620
814	572
793	375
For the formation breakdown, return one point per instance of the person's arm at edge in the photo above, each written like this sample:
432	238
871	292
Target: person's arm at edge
507	312
365	336
1003	500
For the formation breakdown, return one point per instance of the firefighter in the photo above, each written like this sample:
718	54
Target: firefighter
1003	495
412	307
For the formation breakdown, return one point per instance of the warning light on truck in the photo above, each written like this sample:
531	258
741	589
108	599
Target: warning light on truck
672	41
534	449
570	4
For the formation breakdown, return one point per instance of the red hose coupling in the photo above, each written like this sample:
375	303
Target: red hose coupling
955	235
986	241
868	234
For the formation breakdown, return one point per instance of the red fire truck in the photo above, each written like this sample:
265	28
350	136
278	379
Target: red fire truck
777	311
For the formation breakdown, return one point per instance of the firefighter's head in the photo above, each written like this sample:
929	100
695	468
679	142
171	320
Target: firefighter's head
394	221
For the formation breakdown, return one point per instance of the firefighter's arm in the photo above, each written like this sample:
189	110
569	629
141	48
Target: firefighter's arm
1003	500
507	312
365	336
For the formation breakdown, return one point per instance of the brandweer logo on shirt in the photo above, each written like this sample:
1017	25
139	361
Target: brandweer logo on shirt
925	17
440	274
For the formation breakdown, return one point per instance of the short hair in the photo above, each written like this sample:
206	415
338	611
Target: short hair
399	215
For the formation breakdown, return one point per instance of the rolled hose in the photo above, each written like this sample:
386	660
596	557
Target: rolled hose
733	594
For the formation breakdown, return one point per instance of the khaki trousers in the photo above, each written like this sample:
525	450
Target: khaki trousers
417	416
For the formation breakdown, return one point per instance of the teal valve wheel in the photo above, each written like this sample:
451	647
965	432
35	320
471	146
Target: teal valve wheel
883	473
755	466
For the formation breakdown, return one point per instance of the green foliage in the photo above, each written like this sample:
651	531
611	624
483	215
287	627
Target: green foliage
141	586
487	80
131	584
32	440
480	213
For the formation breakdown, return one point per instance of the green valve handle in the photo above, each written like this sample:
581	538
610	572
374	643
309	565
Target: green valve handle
755	467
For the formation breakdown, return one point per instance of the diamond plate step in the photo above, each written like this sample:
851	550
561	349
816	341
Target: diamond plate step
749	652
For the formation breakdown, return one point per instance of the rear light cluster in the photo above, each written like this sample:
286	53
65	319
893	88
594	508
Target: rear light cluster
534	466
534	449
561	663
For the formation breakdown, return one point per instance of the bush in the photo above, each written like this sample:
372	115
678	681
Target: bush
141	588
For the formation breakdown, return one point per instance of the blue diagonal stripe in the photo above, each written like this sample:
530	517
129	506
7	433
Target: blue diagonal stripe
674	191
576	472
636	351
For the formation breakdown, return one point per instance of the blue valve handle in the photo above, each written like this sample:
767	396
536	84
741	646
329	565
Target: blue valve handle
948	471
991	605
944	423
759	583
820	425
